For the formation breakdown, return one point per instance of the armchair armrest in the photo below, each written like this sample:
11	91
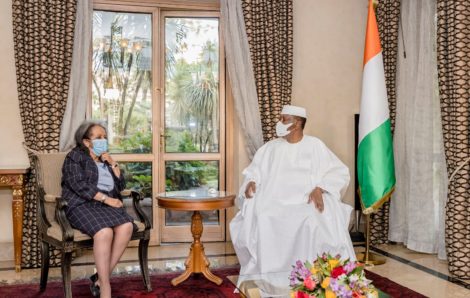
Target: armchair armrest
67	231
136	198
43	222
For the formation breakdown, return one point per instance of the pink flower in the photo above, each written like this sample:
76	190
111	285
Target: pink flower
349	267
309	284
301	294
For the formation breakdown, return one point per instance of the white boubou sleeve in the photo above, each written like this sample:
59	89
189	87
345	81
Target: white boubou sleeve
251	173
333	172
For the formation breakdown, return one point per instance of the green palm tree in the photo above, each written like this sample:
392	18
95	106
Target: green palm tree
195	95
201	95
193	89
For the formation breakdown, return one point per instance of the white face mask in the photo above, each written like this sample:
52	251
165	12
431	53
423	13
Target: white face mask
281	129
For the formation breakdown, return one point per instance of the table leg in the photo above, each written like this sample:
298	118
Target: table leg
197	261
17	209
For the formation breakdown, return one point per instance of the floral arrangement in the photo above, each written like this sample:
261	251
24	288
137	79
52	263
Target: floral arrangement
330	277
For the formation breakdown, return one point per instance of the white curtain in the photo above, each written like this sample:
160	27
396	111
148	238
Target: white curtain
240	71
79	86
417	206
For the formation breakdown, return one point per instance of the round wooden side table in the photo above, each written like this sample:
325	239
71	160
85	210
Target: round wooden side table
196	201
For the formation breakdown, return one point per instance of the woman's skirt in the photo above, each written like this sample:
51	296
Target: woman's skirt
93	216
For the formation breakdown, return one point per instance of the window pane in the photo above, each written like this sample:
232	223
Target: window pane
122	79
184	175
192	84
138	176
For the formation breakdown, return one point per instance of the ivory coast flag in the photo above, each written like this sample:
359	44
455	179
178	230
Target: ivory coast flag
375	164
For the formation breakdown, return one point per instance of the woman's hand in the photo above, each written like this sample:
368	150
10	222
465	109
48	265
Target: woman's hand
116	203
106	157
114	165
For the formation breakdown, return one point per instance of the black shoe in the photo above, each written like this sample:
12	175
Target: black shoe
95	289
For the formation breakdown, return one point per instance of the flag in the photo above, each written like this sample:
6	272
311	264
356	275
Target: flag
375	163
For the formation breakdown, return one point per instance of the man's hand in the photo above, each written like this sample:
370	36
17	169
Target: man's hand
250	189
316	196
116	203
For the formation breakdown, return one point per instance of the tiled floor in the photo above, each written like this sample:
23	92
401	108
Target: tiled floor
421	272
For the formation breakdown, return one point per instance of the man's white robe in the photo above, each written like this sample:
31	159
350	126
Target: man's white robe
277	226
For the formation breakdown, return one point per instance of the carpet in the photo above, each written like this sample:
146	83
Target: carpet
196	286
132	286
390	287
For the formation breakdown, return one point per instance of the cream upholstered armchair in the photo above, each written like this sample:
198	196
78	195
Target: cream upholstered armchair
55	229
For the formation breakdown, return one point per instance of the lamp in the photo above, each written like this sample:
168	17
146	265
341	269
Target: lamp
108	84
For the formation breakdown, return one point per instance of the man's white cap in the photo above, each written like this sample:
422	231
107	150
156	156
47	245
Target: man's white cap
294	111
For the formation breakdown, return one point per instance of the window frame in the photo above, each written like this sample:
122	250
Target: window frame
211	232
179	8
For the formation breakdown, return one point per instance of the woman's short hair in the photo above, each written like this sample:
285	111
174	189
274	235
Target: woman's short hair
84	132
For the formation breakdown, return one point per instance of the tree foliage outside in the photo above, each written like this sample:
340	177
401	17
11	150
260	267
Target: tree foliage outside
121	94
122	79
192	83
138	176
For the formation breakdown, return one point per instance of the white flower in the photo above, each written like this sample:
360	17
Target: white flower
353	278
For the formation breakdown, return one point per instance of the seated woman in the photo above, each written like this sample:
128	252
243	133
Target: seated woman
91	184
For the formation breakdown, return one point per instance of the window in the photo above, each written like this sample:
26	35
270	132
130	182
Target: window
158	84
122	78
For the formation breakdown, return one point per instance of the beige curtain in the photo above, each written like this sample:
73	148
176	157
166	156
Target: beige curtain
388	16
453	50
79	77
43	39
416	207
269	27
240	70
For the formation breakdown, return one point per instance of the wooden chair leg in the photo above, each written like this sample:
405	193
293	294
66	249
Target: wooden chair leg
143	261
44	265
66	274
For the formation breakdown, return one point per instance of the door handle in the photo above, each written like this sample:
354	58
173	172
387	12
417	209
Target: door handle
163	137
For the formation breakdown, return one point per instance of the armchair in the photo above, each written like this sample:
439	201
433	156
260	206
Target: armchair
56	231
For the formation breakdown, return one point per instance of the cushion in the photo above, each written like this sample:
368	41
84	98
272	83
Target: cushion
55	231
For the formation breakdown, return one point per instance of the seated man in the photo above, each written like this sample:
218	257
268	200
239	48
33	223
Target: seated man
290	202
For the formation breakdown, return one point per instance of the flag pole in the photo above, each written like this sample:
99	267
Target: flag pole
369	258
377	170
